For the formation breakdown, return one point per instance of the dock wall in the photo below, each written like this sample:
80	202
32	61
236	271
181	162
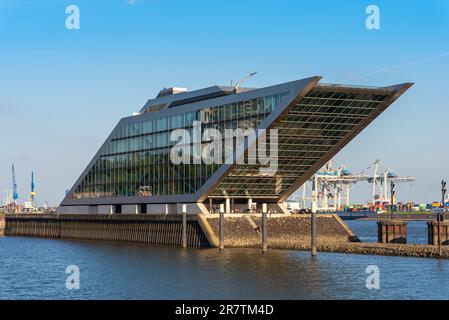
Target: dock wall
151	229
241	230
2	224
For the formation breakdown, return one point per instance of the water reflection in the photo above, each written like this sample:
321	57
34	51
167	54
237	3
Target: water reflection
35	268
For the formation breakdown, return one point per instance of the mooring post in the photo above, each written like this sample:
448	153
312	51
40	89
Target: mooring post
439	233
221	222
441	214
264	228
313	218
313	244
184	226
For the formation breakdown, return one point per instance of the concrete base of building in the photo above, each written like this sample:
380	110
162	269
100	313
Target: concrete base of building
73	210
157	208
255	207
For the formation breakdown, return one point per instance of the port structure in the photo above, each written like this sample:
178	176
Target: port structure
30	205
11	202
333	184
382	177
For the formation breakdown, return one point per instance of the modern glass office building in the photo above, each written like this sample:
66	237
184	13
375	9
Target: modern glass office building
134	172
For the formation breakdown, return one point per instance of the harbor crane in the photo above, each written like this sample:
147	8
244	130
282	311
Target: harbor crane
381	178
32	193
15	195
30	206
331	183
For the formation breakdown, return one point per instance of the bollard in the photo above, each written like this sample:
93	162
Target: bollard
264	228
221	226
184	226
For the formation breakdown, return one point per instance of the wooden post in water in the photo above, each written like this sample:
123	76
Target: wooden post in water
264	228
184	226
441	214
221	227
313	234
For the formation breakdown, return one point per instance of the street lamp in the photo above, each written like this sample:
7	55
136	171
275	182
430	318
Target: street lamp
392	197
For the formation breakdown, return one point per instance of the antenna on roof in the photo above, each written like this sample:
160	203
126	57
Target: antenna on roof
237	85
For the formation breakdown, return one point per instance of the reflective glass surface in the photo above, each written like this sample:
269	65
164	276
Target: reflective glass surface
136	161
305	134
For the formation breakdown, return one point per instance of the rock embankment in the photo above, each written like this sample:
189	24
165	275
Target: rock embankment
293	233
244	230
404	250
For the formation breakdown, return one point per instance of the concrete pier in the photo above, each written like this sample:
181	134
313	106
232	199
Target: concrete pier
202	231
287	232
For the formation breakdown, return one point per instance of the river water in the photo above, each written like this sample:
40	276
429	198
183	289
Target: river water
34	268
366	230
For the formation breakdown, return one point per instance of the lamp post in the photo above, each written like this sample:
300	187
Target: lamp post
392	197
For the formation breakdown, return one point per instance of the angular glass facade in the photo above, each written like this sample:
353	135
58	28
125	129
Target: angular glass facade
136	161
313	122
305	134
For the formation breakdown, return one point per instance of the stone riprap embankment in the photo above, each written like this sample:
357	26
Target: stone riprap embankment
404	250
292	232
245	230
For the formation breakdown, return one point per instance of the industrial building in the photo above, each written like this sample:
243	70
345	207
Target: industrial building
133	172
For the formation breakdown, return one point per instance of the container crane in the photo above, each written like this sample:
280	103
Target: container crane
381	179
331	183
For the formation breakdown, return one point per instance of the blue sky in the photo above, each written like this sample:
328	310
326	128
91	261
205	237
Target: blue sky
62	92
